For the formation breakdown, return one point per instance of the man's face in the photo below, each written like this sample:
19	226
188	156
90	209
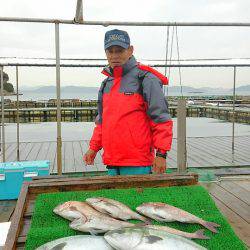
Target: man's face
118	56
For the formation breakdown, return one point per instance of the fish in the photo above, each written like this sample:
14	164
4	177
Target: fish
167	213
96	224
115	209
199	234
72	210
143	238
78	242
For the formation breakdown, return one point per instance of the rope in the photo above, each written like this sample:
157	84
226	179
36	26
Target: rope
166	60
171	53
178	55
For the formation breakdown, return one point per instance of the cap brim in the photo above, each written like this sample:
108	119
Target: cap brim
116	43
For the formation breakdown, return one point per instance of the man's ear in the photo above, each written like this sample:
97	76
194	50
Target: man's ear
131	50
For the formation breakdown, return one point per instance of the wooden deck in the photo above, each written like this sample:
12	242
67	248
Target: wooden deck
201	152
231	197
233	200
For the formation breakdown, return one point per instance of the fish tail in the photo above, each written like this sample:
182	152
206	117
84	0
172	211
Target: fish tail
142	224
199	234
147	221
210	226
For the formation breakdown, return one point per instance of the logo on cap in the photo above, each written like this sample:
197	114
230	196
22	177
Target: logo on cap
116	37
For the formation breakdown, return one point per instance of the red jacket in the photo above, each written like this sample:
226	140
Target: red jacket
133	117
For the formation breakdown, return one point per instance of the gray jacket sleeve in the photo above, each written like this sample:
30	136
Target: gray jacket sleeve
153	95
98	119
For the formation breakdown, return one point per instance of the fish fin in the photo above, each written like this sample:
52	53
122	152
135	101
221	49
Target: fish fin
141	224
210	226
93	232
200	234
96	231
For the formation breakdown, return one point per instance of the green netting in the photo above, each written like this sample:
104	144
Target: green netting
47	226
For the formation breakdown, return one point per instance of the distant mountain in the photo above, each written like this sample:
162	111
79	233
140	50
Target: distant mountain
190	90
178	89
171	89
212	90
66	89
243	88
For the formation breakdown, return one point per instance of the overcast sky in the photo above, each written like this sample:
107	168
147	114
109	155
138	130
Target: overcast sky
37	40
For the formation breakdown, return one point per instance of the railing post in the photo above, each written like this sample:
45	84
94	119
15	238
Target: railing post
181	137
58	94
2	109
17	115
233	118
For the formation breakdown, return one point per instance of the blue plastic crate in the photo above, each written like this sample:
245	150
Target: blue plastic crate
12	175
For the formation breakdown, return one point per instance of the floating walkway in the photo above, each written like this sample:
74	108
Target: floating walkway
202	152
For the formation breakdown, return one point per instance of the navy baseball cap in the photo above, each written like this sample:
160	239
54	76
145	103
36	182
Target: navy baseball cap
116	37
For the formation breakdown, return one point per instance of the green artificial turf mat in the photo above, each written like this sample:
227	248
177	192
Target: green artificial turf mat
46	226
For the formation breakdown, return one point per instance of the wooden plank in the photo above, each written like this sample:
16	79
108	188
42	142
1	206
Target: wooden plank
31	156
218	148
30	207
172	155
239	157
78	157
198	154
42	155
8	145
235	204
202	157
16	223
11	152
13	155
25	152
38	151
239	150
7	208
241	227
213	152
191	161
82	152
236	190
25	227
244	184
106	182
51	156
68	157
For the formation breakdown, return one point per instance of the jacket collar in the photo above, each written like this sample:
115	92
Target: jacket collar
121	70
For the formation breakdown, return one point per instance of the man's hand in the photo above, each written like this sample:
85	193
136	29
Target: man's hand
159	165
89	157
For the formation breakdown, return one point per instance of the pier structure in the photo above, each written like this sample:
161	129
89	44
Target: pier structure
88	114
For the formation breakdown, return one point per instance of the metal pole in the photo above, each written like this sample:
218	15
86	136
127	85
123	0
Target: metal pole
2	109
150	64
58	95
115	23
233	110
17	116
78	15
181	136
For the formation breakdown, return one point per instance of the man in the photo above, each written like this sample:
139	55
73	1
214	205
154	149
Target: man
133	120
